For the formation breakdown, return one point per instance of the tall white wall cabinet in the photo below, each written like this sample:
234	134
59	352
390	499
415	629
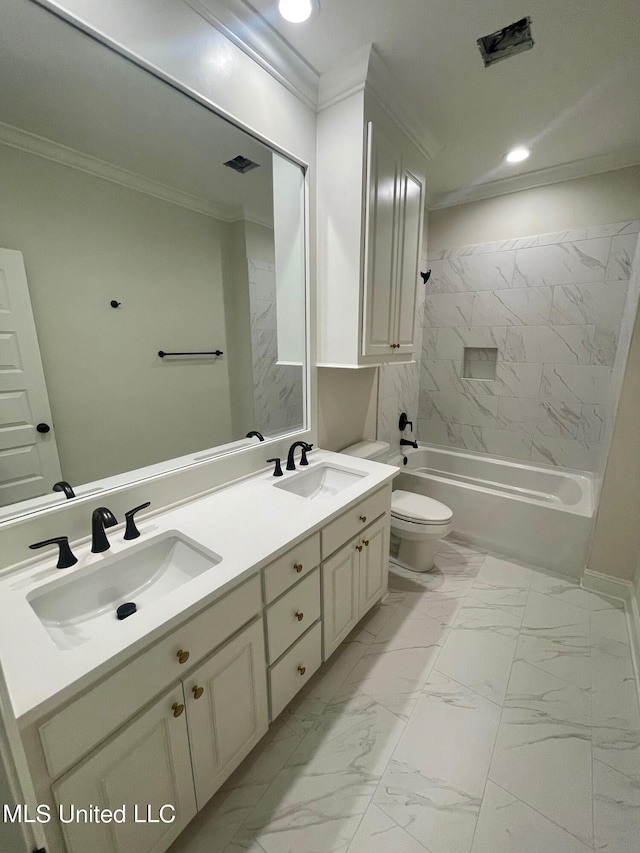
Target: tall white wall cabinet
371	195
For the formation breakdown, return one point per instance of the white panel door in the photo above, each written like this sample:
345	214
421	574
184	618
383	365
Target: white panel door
374	564
409	248
29	464
380	245
143	768
227	709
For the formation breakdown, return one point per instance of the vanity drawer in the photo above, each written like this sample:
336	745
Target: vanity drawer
348	525
294	669
83	724
291	567
291	615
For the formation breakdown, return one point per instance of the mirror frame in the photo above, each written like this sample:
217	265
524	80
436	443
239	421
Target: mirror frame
231	461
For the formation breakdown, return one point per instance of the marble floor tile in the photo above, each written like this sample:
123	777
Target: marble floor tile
555	637
440	607
479	649
616	810
609	625
434	782
507	825
543	749
379	834
568	590
503	583
383	671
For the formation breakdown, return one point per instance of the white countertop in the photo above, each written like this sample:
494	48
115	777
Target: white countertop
248	523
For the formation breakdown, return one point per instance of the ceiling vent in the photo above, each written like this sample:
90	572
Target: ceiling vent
241	164
506	42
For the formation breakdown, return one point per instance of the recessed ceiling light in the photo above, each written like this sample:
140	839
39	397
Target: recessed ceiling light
295	11
517	155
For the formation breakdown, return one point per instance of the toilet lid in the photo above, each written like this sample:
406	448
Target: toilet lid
420	509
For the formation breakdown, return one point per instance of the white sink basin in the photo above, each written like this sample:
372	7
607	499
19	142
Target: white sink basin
321	482
77	608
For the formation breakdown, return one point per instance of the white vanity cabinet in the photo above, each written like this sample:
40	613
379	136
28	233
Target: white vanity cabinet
371	194
355	576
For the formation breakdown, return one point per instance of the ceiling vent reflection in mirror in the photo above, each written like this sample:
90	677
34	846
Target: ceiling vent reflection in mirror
506	42
241	164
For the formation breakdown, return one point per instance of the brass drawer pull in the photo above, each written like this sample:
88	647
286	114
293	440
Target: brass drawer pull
299	616
363	518
197	692
302	670
183	657
365	542
358	547
177	709
297	567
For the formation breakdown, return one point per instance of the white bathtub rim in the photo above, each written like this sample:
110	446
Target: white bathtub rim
584	507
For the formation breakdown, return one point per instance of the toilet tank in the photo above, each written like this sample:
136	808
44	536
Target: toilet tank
377	451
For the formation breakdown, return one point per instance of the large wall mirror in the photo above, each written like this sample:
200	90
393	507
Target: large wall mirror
134	221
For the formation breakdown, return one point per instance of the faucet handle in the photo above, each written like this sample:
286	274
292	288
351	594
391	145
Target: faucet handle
277	471
305	449
132	531
66	557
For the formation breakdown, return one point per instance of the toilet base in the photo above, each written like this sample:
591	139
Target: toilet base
418	555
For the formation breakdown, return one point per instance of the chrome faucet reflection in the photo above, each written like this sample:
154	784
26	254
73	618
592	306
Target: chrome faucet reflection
101	518
291	465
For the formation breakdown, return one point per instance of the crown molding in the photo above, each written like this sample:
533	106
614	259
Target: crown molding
251	32
365	69
540	178
39	146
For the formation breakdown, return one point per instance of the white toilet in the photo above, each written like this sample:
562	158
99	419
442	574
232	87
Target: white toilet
417	521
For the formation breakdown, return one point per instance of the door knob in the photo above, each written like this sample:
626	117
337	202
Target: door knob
43	427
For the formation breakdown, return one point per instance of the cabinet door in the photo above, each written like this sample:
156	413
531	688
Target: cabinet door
411	205
227	712
339	596
142	769
381	236
374	564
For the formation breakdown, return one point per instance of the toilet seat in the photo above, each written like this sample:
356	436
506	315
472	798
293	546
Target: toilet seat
419	509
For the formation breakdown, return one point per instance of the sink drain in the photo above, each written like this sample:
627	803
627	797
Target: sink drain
126	609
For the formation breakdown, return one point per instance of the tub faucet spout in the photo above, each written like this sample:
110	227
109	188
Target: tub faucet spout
405	441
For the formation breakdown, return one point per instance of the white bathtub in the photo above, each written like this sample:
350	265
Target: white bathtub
538	515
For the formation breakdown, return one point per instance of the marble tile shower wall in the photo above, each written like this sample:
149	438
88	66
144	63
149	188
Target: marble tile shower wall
553	307
398	389
277	388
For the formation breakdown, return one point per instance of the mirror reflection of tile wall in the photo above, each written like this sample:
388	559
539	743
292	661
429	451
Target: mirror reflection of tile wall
559	308
277	388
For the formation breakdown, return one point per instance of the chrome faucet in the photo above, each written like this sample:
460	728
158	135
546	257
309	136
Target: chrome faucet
101	518
291	465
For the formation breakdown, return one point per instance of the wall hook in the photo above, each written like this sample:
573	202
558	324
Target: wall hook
115	304
426	276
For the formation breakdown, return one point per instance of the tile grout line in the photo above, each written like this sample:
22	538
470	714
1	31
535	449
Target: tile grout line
502	708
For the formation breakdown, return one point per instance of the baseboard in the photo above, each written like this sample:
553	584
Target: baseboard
624	591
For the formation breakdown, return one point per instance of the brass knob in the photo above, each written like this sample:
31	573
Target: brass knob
299	616
365	542
177	709
183	657
197	692
302	670
297	567
363	518
358	547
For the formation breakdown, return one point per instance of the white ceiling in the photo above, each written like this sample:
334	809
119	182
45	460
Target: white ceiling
574	98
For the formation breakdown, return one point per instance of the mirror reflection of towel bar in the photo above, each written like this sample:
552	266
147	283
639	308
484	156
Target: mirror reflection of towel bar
162	354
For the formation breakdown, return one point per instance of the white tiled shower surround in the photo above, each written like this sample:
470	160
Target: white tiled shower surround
277	388
559	310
